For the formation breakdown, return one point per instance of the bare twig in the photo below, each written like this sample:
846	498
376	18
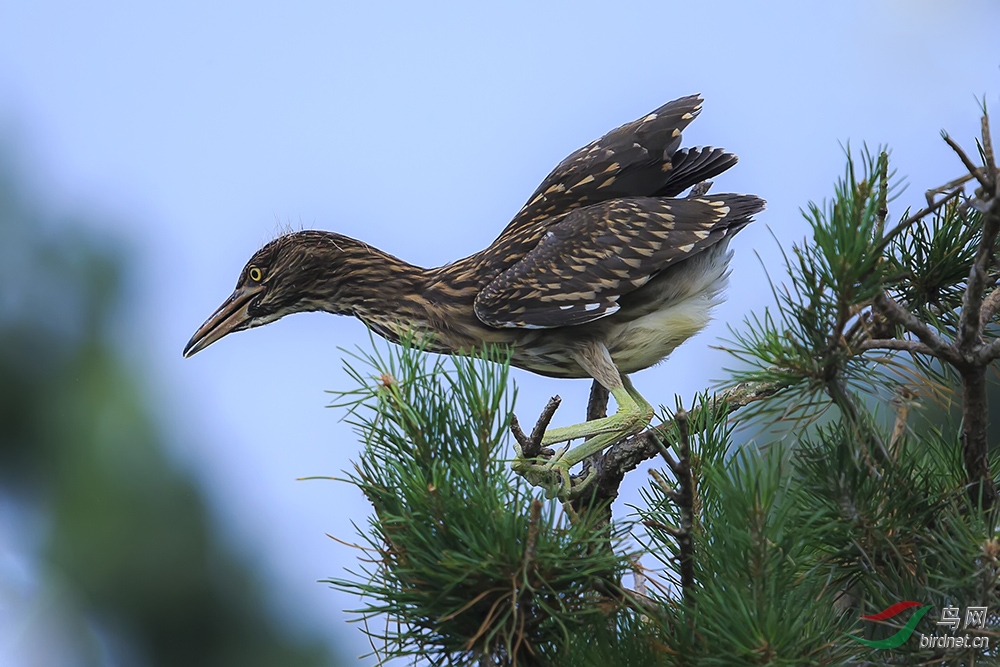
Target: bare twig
919	215
898	315
973	169
673	531
911	346
972	301
924	212
597	406
685	502
991	164
991	305
625	456
670	492
531	446
952	186
665	453
594	498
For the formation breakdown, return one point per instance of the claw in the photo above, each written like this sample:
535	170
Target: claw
553	475
551	470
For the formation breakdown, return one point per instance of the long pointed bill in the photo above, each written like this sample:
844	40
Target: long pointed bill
231	316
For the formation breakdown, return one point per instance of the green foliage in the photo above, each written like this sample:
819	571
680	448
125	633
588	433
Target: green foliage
884	513
624	639
711	442
831	278
754	559
930	261
463	557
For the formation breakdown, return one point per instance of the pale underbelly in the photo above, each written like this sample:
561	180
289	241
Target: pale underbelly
634	344
648	340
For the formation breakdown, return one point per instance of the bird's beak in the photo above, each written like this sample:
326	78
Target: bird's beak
231	316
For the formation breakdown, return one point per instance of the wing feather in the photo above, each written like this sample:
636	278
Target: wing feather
638	159
587	261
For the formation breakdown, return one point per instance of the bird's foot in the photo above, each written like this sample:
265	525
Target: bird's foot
542	466
548	472
551	472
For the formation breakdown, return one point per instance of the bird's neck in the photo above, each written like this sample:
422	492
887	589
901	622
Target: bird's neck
345	276
387	293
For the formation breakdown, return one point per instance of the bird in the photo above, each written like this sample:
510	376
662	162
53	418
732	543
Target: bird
603	272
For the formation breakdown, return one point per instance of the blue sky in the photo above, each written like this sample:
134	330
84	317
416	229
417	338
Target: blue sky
197	130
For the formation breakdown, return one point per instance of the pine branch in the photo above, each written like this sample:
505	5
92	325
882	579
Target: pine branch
991	306
971	323
625	456
896	314
969	343
452	524
530	446
976	173
986	354
470	566
685	503
897	344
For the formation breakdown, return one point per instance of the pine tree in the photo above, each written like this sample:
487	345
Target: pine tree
868	480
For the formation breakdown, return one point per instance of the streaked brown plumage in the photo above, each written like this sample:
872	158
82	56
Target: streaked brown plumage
602	273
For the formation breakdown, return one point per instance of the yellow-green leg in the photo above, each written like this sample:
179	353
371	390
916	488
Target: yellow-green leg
633	414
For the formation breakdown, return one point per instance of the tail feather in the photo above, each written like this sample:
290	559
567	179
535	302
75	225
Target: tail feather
691	166
741	210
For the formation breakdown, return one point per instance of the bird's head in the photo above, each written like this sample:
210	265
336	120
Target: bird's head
294	273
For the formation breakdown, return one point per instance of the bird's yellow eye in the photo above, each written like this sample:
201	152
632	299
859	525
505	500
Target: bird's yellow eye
255	274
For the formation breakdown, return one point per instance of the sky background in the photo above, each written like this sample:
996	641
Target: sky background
198	130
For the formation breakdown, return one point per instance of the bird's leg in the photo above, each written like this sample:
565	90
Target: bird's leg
643	404
633	414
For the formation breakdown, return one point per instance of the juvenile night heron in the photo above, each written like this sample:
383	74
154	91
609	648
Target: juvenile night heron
602	273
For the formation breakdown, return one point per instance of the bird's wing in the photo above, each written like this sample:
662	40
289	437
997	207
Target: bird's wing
639	159
581	267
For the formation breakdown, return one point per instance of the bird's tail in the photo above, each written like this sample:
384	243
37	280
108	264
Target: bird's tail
742	208
691	166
